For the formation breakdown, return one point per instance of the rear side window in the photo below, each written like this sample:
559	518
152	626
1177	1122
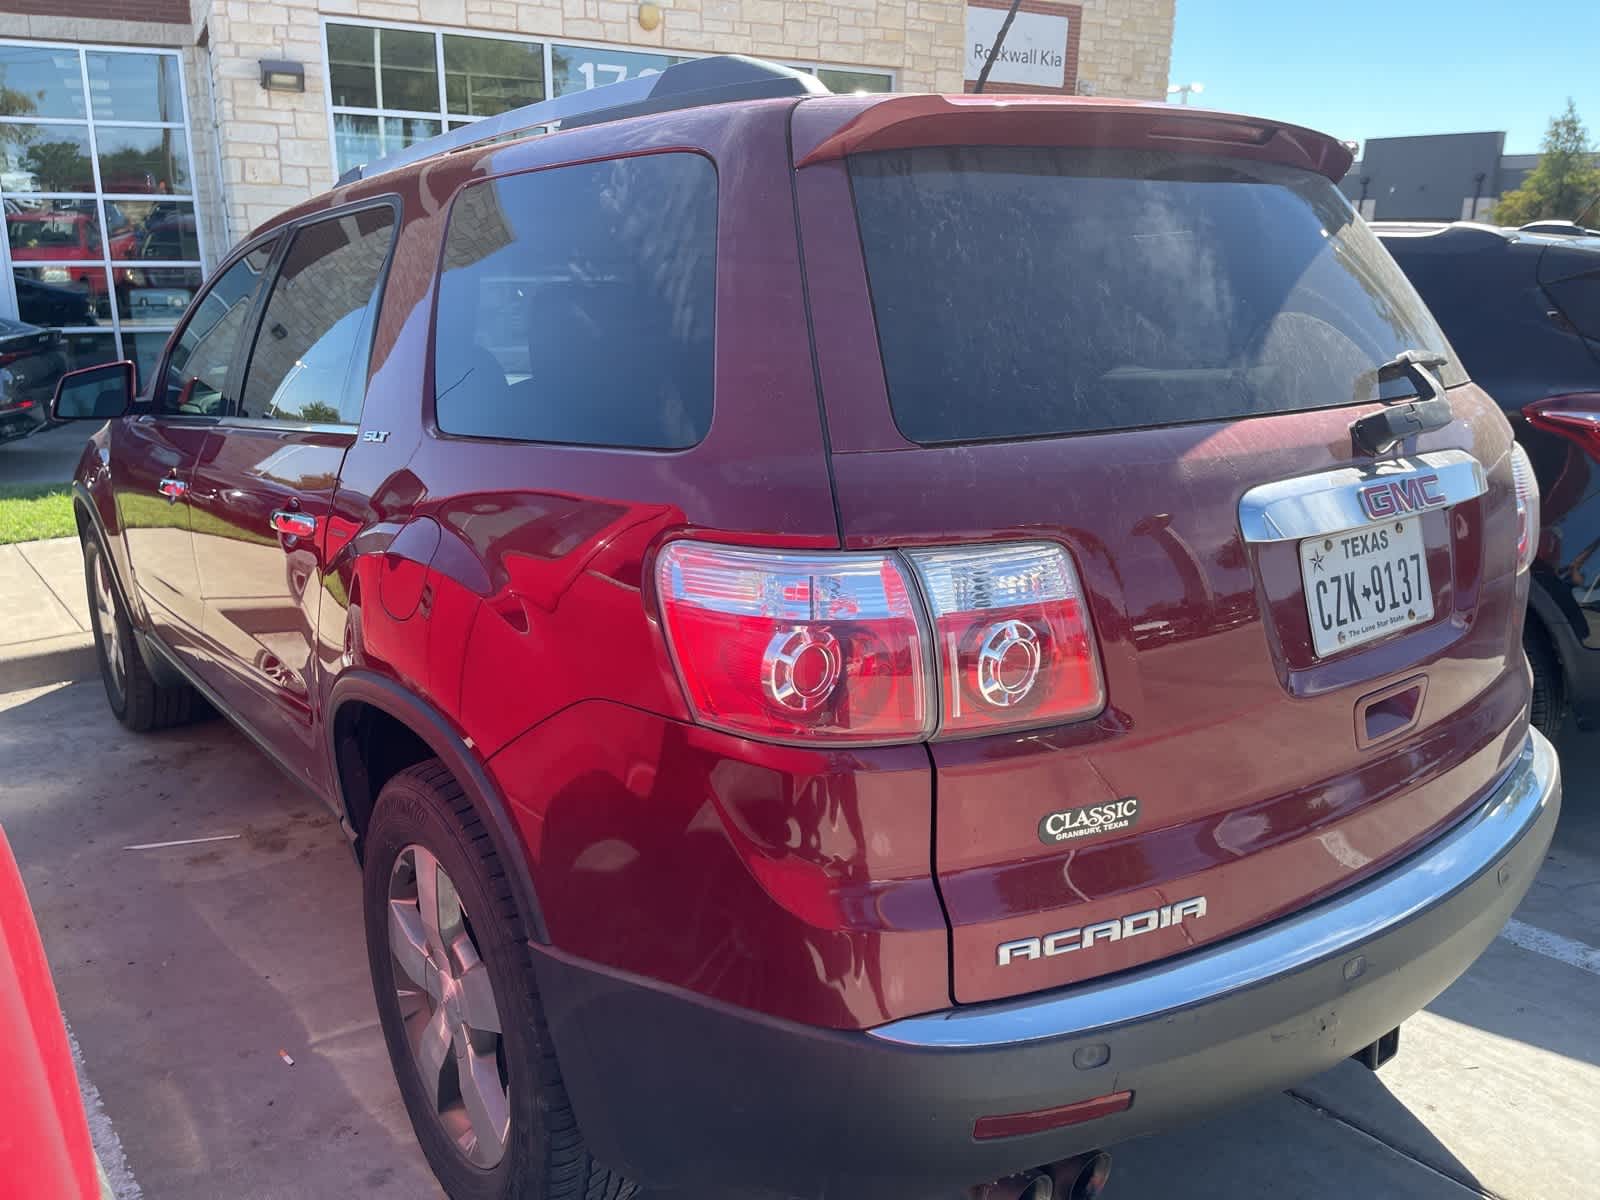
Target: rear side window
577	305
1021	292
310	358
1571	276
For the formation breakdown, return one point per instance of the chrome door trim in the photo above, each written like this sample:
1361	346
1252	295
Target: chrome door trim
1287	510
293	524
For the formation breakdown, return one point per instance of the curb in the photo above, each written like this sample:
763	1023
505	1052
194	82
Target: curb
62	659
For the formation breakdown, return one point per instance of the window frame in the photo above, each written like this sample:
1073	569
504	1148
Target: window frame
448	120
288	231
159	375
430	413
121	332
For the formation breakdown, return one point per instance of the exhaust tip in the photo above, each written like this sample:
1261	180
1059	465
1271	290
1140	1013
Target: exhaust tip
1025	1185
1092	1178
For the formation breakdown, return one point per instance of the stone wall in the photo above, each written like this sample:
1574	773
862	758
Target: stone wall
258	152
1126	48
276	145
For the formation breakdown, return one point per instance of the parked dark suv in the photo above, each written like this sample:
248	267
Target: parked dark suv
865	644
1523	306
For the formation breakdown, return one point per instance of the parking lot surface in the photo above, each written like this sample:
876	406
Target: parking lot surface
184	970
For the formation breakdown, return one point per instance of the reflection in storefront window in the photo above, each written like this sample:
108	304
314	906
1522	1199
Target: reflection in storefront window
385	86
846	82
45	158
143	160
100	221
41	81
487	76
409	77
577	68
134	87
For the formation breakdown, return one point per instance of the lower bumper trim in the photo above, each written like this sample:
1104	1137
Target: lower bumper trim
1332	928
694	1097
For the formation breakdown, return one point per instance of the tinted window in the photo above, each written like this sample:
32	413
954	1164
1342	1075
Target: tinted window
197	369
577	305
1021	292
310	356
1571	274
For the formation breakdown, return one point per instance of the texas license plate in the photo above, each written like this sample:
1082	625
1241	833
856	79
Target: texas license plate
1366	583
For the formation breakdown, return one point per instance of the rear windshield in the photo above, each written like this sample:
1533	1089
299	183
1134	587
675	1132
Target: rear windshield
1022	292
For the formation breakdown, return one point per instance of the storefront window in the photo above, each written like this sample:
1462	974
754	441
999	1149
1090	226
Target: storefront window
577	68
845	83
486	76
388	91
102	244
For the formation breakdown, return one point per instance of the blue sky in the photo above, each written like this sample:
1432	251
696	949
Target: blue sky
1360	68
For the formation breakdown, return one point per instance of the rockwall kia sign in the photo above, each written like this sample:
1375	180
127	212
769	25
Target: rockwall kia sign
1034	53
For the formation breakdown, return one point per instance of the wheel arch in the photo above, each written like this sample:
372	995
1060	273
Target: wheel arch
375	728
1549	618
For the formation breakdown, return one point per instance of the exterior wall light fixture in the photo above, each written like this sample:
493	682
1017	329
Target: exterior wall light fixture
278	76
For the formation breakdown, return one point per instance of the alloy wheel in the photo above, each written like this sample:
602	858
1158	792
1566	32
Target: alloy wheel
105	608
447	1004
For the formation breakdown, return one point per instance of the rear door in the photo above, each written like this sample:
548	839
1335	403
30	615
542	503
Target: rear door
1151	357
264	484
153	455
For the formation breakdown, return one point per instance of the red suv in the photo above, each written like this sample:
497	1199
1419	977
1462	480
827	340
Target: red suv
863	643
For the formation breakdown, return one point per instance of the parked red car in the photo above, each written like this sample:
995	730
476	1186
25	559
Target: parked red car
864	643
45	1149
60	236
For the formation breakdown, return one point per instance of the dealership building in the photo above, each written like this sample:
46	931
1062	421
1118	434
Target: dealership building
140	139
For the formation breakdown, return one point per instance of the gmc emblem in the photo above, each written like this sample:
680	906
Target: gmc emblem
1396	497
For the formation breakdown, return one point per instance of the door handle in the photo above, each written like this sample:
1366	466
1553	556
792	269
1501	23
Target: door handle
172	489
293	524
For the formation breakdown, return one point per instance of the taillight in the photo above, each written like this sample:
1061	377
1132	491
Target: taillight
835	646
1527	489
795	646
1012	636
1575	417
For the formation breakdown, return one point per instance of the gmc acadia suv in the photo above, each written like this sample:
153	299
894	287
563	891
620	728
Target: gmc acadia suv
864	644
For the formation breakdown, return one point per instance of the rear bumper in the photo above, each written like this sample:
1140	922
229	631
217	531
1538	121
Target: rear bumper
688	1094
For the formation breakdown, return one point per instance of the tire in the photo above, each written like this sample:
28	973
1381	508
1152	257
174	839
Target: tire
137	700
1548	709
424	822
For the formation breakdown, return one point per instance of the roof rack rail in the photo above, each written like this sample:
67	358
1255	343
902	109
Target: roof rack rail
700	81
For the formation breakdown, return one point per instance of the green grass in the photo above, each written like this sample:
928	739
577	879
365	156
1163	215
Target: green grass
153	512
44	510
38	510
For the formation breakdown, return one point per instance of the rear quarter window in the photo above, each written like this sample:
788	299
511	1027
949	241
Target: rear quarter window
1022	292
577	305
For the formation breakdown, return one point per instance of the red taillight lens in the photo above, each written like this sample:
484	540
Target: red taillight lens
1575	417
1527	488
1012	636
793	646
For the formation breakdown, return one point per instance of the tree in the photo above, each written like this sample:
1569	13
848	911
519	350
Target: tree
59	166
1563	183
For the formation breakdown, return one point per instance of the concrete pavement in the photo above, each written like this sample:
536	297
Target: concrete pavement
46	637
49	456
183	970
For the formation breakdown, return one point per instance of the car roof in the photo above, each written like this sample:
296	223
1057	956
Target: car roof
1476	233
723	89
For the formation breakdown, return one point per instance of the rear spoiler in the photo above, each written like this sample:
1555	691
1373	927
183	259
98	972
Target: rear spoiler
828	128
